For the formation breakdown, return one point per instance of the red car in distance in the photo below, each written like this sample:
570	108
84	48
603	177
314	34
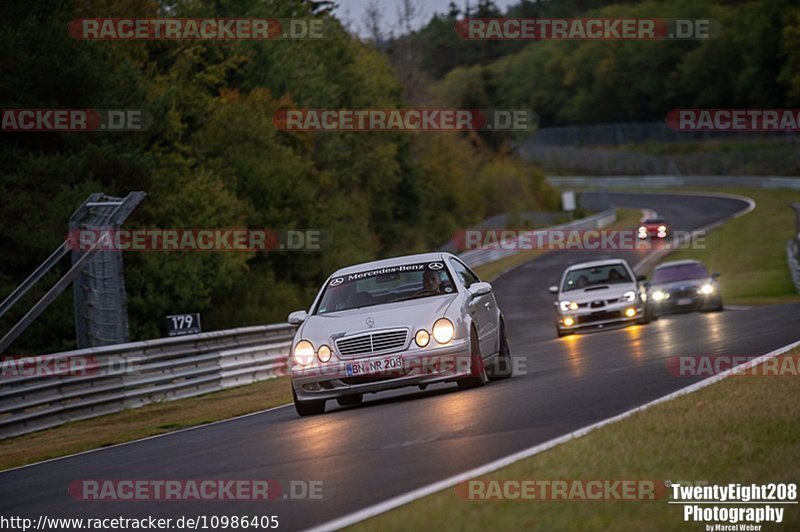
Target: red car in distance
653	228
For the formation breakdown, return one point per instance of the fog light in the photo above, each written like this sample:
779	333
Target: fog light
569	322
630	312
324	353
422	338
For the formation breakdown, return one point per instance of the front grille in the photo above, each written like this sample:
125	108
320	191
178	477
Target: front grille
684	292
372	343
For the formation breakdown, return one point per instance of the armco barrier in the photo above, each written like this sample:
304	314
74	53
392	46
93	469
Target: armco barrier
793	258
671	181
135	374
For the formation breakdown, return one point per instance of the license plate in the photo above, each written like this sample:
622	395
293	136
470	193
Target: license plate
685	301
377	366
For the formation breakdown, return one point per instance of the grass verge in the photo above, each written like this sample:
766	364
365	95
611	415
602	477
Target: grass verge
750	251
157	418
740	430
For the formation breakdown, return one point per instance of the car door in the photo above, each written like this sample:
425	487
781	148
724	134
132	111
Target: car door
482	309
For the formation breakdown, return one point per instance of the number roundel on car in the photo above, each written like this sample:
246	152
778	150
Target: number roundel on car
435	266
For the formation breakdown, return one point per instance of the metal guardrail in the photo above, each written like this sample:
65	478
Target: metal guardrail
793	258
793	250
668	181
135	374
478	257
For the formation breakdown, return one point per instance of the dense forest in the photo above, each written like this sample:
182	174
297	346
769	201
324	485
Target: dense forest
212	156
754	62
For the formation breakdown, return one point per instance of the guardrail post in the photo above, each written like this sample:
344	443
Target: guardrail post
793	250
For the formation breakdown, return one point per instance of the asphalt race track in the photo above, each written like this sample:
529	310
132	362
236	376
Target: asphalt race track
403	440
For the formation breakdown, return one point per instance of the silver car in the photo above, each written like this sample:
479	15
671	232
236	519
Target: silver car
598	293
406	321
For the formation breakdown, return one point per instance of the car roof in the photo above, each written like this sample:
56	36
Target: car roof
394	261
594	263
686	262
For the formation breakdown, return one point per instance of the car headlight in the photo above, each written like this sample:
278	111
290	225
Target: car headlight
324	353
422	338
658	295
662	228
443	330
706	289
630	295
567	305
303	352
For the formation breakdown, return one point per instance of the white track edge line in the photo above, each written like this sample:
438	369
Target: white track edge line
424	491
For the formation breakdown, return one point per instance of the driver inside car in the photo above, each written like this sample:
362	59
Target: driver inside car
431	282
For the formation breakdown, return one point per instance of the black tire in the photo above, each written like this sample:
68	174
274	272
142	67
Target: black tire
561	332
307	408
477	375
502	367
716	308
350	399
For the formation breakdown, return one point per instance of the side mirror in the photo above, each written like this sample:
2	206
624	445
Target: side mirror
715	275
480	288
641	278
297	317
553	289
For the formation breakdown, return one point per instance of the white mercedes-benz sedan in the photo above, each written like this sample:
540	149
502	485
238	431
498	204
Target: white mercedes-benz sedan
406	321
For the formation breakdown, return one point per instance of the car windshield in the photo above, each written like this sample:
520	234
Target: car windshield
385	285
682	272
596	276
654	221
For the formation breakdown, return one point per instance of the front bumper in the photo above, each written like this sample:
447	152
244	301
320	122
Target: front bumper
420	366
653	234
690	303
589	317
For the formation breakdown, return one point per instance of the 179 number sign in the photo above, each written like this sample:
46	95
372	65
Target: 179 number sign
181	324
